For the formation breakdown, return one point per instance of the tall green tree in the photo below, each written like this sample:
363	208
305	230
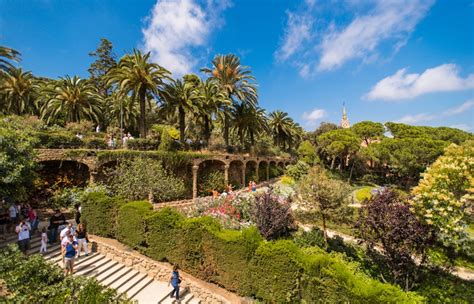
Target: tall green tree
74	98
280	126
340	143
136	75
181	97
106	60
236	81
17	90
368	130
6	55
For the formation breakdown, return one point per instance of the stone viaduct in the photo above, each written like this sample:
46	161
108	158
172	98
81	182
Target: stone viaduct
223	162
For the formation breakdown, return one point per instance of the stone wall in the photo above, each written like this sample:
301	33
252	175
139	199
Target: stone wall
206	292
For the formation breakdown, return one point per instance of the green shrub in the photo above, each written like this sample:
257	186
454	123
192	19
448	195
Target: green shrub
33	280
99	212
162	233
227	255
211	181
95	143
131	223
275	272
287	180
58	140
143	144
363	194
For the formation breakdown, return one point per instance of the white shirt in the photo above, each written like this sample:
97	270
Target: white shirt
23	232
13	211
63	232
44	237
66	241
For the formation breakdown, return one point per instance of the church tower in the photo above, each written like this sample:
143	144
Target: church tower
345	124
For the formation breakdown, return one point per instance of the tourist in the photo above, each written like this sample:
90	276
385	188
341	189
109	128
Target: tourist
254	186
3	219
23	231
175	280
77	214
124	141
110	142
250	186
44	241
65	230
82	240
32	218
97	129
13	214
69	254
55	221
64	242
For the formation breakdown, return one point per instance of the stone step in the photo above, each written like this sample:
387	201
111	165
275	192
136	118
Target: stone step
95	267
130	275
89	262
115	276
133	282
139	287
152	293
103	269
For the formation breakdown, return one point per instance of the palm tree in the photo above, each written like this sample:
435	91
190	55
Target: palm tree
74	98
212	99
18	91
236	81
122	109
135	74
181	97
5	55
280	125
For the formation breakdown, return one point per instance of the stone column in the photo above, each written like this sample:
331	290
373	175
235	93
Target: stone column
92	177
268	170
244	165
226	174
195	181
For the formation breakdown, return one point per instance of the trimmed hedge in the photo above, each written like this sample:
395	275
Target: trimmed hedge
57	140
241	261
99	213
143	144
131	223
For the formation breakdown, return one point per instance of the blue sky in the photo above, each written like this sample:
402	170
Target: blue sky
410	61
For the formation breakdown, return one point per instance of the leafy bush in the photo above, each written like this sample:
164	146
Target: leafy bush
95	143
136	178
33	280
287	180
213	180
131	223
82	127
143	144
99	212
312	238
58	140
363	194
273	216
307	153
65	198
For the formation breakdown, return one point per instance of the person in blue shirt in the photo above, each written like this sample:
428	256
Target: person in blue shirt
175	280
69	254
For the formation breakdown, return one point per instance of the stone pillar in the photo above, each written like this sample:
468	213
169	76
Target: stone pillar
195	181
92	177
226	174
268	170
257	178
244	165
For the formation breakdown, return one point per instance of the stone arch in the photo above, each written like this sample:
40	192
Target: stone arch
61	174
236	167
263	171
273	169
210	176
251	171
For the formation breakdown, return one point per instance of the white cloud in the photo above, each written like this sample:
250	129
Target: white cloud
297	32
466	106
401	85
176	28
463	127
360	39
315	46
312	117
416	119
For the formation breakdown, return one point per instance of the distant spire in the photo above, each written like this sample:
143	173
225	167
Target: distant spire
345	124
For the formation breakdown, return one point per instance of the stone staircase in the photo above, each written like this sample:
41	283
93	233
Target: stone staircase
136	285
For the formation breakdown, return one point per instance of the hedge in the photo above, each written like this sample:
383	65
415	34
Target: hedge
131	223
143	144
99	213
242	262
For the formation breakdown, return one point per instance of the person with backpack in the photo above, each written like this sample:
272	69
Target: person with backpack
70	249
175	280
